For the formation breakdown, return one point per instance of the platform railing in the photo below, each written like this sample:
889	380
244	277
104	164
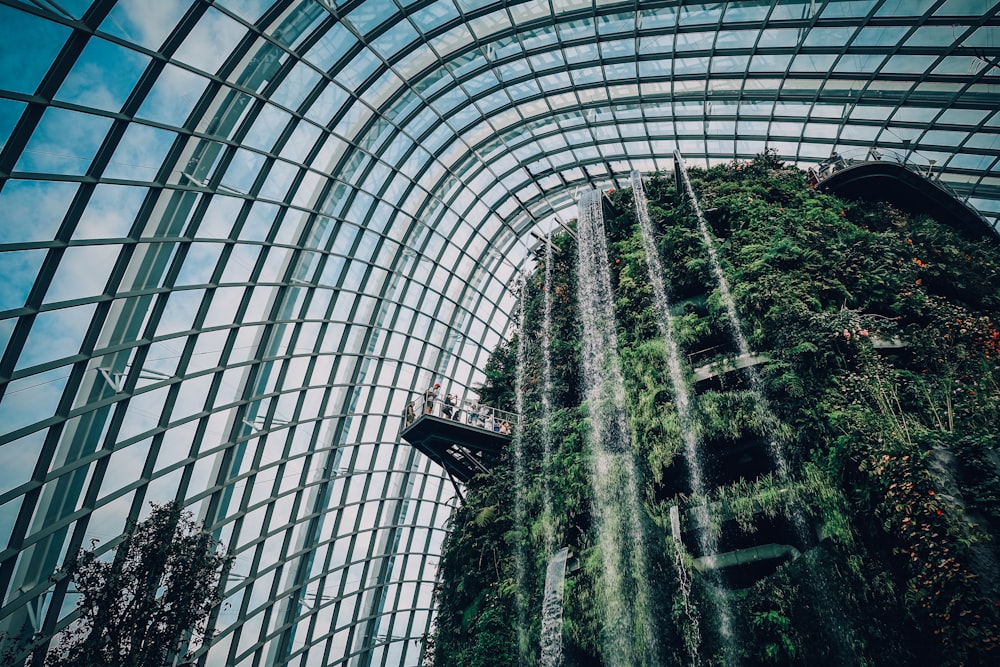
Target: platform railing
836	163
840	161
463	411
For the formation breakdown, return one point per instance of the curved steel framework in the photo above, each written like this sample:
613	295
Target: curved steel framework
238	236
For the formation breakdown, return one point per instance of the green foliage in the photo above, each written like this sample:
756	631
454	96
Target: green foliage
142	607
882	384
498	388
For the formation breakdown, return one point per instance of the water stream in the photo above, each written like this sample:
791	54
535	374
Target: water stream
765	413
548	519
520	485
829	607
629	634
707	542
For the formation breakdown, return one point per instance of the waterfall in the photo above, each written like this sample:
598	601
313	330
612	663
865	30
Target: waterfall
829	607
689	435
765	412
552	610
629	632
520	485
550	538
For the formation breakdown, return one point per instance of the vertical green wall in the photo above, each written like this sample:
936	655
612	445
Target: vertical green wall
880	332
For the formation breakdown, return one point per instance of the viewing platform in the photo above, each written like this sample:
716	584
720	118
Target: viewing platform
886	175
463	437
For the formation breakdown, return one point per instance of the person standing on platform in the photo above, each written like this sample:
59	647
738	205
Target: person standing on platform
429	397
485	418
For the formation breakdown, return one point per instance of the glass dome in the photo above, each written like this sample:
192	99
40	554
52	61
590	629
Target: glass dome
240	236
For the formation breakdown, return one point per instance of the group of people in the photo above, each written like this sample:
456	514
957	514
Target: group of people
477	415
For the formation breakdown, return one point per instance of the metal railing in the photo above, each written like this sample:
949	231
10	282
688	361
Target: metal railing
463	411
838	162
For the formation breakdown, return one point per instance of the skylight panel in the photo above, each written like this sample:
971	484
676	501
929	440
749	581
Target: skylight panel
64	142
846	8
211	41
434	15
369	15
391	42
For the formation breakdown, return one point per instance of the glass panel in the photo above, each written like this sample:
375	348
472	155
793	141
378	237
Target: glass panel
110	212
28	48
847	8
64	142
32	399
33	210
82	272
745	11
199	264
211	41
266	129
140	153
965	8
369	15
296	86
55	334
172	97
103	76
142	22
434	15
18	270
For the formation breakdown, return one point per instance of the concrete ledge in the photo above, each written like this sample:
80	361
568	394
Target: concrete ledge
708	371
746	556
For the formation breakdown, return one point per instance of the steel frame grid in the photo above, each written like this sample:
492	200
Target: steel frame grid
420	198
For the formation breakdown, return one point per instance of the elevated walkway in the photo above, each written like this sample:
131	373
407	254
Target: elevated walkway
742	567
742	557
728	365
464	438
904	186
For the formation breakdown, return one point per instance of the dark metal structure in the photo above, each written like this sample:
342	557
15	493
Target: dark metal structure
238	235
463	437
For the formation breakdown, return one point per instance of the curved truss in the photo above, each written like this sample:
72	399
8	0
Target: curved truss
238	236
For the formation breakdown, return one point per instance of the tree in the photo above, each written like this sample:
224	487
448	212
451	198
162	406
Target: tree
152	600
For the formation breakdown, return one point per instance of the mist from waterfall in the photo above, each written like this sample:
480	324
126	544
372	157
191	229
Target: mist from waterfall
629	633
826	599
707	542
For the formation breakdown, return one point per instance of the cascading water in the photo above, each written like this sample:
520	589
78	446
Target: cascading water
829	607
736	328
548	519
629	636
552	610
689	435
520	486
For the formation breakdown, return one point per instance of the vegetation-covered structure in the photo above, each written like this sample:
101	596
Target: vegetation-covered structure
877	355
